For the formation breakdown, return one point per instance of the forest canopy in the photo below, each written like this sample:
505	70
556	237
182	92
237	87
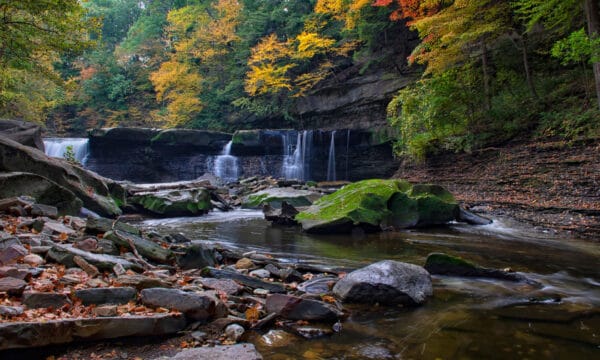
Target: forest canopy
488	70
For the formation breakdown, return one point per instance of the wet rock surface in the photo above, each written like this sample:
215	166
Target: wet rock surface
386	282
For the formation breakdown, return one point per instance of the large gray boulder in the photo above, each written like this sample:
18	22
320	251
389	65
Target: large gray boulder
23	132
95	191
274	197
41	189
386	282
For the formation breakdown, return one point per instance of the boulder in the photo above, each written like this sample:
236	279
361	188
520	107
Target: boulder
33	334
89	187
197	256
296	308
375	204
195	306
227	286
121	135
171	203
283	216
275	196
11	254
23	132
101	296
386	282
444	264
472	219
41	189
228	352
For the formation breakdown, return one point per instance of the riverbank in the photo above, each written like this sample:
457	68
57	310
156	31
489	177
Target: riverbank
552	185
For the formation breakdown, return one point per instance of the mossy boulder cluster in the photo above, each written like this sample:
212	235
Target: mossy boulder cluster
178	202
377	204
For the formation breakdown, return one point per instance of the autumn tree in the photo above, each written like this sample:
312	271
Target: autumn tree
201	38
34	34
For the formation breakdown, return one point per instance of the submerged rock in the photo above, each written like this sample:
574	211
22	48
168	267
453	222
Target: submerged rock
283	216
386	282
375	204
443	264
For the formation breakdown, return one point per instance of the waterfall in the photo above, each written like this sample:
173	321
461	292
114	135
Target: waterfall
226	165
57	147
331	161
296	163
347	152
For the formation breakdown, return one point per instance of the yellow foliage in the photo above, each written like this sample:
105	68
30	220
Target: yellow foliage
332	7
307	81
267	78
311	44
270	50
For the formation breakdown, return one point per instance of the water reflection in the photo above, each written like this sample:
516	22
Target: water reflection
466	318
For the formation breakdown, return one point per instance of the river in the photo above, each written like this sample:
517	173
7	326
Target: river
465	319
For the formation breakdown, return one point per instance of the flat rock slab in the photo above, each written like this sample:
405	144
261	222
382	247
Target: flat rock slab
34	300
64	254
12	286
24	334
116	295
229	352
243	279
141	282
227	286
196	306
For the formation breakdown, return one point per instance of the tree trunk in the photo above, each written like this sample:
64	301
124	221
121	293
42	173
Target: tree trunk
486	77
592	14
528	68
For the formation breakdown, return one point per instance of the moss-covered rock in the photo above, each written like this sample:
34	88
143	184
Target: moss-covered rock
363	203
375	203
185	202
275	196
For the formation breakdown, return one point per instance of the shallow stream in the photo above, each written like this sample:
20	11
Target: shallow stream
465	319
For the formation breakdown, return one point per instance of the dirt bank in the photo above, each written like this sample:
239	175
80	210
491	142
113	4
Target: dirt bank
551	184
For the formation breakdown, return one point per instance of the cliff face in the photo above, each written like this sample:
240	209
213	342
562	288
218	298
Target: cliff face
351	100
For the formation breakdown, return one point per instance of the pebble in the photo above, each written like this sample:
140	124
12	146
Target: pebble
234	332
34	260
261	292
244	263
260	273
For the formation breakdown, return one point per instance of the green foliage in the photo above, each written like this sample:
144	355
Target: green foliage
578	47
69	154
435	113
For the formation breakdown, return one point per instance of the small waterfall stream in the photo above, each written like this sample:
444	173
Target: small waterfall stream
331	174
57	147
226	165
296	159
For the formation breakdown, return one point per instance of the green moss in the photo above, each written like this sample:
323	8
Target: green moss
255	201
380	203
358	201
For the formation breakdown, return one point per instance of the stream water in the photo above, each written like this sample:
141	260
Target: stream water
465	319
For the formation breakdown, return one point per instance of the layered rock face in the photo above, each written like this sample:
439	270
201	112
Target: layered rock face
151	155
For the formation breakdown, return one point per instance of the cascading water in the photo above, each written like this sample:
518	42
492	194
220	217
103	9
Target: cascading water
226	165
57	147
296	162
347	152
331	175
